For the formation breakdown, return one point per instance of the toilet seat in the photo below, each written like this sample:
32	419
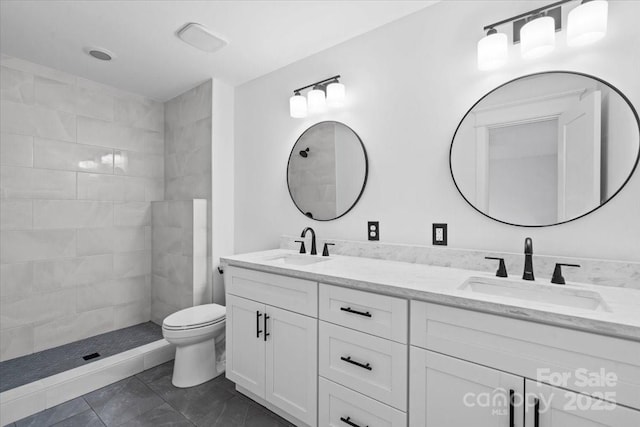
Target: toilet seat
196	317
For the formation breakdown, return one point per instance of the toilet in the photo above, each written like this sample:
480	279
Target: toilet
196	332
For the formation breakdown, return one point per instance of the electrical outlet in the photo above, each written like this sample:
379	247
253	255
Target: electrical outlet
373	230
439	234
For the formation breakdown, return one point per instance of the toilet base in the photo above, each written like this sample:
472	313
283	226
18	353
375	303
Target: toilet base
195	364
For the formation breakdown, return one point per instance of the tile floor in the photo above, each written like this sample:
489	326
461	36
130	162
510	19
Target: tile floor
33	367
149	399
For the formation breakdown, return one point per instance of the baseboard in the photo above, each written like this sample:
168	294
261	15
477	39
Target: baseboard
271	407
46	393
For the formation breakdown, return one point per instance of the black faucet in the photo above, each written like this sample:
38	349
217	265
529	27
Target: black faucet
313	239
528	260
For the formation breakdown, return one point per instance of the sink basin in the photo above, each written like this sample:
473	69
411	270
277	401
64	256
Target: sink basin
298	259
548	294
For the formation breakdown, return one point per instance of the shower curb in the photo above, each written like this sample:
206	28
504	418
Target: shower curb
46	393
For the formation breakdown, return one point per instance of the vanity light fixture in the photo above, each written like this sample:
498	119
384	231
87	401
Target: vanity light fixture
492	50
535	31
537	36
317	102
324	93
587	22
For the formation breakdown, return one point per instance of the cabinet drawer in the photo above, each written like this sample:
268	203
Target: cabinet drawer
297	295
337	404
374	314
373	366
532	350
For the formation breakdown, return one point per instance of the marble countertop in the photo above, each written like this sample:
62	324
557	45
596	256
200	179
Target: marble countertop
442	285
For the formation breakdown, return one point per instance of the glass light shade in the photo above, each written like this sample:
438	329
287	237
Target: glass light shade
492	51
538	37
335	94
298	106
587	23
316	100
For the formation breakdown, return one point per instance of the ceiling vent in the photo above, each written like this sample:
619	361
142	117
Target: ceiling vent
200	37
99	53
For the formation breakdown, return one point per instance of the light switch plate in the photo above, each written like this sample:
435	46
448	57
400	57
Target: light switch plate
439	234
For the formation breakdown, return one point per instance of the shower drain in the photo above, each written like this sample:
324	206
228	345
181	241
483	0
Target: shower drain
91	356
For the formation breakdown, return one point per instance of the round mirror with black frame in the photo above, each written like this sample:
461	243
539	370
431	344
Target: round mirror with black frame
327	170
545	149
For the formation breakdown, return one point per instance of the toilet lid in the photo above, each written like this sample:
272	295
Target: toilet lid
193	317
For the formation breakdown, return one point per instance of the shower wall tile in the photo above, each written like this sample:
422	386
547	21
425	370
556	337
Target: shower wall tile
72	328
132	214
55	94
16	280
37	308
111	134
20	246
16	85
140	113
37	121
15	342
71	214
131	264
16	215
94	296
112	187
16	150
28	183
80	163
51	154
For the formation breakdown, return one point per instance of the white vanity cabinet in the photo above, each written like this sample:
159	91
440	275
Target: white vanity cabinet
446	391
363	354
271	351
456	351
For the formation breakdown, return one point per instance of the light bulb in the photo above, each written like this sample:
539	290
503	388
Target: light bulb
587	23
335	94
492	50
298	106
316	101
538	37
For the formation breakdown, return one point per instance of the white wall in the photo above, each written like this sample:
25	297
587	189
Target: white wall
408	85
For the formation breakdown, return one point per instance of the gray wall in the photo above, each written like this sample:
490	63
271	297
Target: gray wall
188	142
179	256
81	163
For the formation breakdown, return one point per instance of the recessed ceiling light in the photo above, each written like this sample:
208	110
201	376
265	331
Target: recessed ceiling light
99	53
200	37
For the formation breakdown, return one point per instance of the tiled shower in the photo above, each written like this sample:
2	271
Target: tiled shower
81	164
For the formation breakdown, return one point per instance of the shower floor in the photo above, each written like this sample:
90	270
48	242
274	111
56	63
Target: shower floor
36	366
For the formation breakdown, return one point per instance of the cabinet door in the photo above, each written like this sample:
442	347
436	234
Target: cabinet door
292	363
561	408
245	344
445	391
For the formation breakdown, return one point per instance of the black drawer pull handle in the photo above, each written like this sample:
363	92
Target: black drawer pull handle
536	413
350	310
258	331
353	362
266	334
348	421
